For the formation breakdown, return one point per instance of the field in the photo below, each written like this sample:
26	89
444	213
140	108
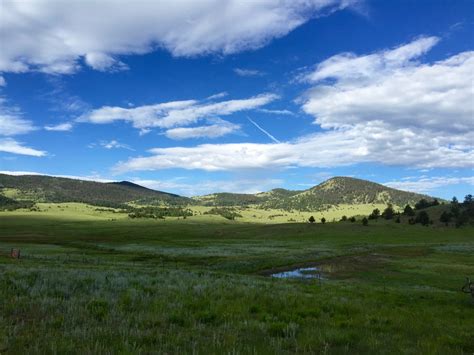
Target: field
97	282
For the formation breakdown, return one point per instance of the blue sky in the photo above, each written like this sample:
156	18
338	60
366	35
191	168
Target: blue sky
207	96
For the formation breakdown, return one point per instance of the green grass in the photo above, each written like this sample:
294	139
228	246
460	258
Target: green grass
88	284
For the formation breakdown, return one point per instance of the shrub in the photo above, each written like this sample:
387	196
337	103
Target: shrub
423	218
389	212
375	214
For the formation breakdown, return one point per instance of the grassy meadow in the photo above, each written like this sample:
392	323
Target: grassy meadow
98	282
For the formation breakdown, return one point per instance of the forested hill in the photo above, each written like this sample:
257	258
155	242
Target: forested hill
39	188
346	190
335	191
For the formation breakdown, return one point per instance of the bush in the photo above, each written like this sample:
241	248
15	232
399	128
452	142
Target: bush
445	217
408	211
365	221
375	214
389	212
423	218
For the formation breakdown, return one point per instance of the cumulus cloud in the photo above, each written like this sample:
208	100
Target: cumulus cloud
174	114
62	127
428	184
54	36
387	107
2	81
393	87
248	72
9	145
104	62
219	129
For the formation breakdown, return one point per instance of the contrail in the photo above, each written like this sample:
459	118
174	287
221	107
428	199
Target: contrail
261	129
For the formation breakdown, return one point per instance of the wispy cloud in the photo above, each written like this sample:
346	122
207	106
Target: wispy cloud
174	114
219	95
219	129
428	184
62	127
112	144
10	145
248	72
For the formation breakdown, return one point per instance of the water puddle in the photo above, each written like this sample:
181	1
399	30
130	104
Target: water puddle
300	273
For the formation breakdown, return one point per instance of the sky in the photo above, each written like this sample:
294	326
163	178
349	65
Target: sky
201	96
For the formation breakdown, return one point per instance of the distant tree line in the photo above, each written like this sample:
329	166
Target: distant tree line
158	212
225	212
9	204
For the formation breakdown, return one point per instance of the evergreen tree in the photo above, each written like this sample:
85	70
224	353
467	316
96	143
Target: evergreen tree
375	214
389	212
408	211
445	217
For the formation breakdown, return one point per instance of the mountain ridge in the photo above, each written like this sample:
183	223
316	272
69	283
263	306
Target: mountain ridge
334	191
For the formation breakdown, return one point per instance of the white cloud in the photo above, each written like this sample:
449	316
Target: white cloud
9	145
112	144
277	112
248	72
219	95
386	108
174	114
212	131
54	36
62	127
372	142
391	86
104	62
428	184
12	122
2	81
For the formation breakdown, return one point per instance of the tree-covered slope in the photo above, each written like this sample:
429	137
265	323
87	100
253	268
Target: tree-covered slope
335	191
346	190
55	189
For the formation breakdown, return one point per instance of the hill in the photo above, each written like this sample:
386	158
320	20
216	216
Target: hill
335	191
39	188
345	190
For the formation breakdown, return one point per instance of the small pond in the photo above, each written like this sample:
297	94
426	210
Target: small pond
300	273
